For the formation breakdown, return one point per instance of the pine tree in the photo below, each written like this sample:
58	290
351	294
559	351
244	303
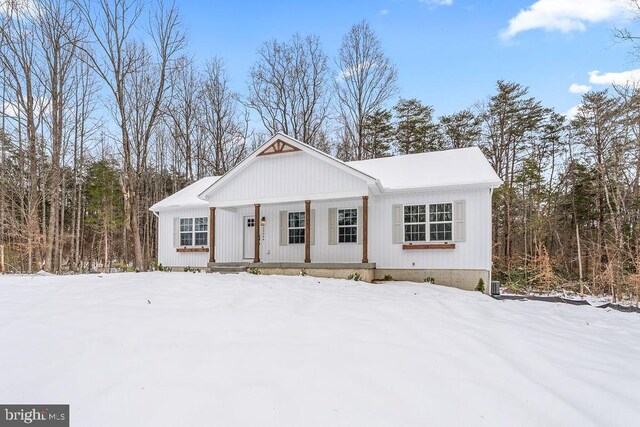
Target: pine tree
460	129
104	212
379	132
415	130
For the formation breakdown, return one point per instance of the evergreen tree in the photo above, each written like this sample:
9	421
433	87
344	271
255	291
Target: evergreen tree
104	206
460	129
379	132
415	130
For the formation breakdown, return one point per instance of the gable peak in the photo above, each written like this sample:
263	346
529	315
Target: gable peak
278	147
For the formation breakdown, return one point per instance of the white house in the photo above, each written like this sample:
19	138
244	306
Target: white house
289	207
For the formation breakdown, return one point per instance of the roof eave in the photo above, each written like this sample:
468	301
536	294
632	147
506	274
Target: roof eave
474	185
166	208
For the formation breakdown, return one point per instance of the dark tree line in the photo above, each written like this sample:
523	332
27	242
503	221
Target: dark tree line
103	113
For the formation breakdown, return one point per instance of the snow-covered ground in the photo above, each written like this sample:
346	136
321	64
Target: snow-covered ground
171	349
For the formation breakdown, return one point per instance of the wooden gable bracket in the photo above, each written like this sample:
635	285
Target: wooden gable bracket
278	147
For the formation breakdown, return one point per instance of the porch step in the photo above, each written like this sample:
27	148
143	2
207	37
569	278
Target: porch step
228	270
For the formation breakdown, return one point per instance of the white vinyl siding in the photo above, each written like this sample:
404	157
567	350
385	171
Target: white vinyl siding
298	176
386	225
169	223
472	253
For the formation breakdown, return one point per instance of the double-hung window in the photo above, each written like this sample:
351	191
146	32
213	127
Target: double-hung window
439	223
296	227
347	225
415	223
194	231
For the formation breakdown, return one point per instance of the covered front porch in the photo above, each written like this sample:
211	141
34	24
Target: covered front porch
326	237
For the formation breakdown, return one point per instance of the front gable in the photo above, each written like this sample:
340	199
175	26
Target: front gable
285	170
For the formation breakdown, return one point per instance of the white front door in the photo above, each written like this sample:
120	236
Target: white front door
249	237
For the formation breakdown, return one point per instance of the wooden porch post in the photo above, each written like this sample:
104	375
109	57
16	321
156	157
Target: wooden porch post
307	231
212	234
365	229
256	227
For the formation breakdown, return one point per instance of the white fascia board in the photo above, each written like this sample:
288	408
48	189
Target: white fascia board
172	207
291	199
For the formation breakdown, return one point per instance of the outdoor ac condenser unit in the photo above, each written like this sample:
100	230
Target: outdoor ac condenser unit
495	287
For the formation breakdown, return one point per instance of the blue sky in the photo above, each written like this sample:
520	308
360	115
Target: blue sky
449	53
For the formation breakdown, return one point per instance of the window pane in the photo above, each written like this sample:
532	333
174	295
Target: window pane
296	235
186	239
201	224
347	217
415	233
201	239
440	212
296	219
440	232
415	214
186	224
347	234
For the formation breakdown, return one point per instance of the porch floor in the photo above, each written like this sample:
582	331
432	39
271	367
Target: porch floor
238	267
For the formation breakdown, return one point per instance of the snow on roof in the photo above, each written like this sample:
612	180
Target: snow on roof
463	166
188	196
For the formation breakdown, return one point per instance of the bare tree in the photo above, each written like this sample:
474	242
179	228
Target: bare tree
224	125
366	80
59	34
137	79
289	87
19	56
182	112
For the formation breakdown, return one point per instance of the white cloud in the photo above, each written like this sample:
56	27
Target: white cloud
10	109
345	74
438	2
572	112
13	110
576	88
623	78
564	15
384	12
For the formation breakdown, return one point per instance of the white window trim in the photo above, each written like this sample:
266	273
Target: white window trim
427	223
338	226
296	228
193	232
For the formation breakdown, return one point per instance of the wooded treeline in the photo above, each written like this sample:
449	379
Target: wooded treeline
104	113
